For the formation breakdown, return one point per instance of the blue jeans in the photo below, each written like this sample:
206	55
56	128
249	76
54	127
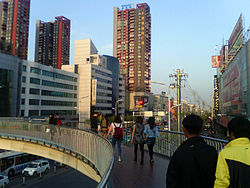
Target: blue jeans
119	142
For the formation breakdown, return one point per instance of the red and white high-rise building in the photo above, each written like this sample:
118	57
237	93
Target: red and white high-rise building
132	46
53	42
14	26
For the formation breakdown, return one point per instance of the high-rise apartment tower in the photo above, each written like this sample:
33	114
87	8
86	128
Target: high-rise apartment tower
14	27
53	42
132	46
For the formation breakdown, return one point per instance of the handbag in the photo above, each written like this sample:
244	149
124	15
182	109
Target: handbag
150	140
139	139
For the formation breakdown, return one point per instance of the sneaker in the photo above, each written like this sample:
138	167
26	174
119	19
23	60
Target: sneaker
119	159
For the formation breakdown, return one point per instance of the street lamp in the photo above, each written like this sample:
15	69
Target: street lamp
116	106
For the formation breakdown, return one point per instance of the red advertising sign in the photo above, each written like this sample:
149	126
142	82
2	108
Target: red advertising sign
138	103
216	62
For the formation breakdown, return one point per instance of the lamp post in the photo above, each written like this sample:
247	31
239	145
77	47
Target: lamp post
116	106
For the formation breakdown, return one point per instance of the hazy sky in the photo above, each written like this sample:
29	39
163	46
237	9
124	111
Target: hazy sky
185	33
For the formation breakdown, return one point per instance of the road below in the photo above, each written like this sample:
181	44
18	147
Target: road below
63	178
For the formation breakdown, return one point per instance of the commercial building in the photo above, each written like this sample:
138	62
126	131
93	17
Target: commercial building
132	47
83	49
34	90
100	84
118	84
53	42
14	27
231	84
46	90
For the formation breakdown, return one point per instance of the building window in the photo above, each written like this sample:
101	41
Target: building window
34	91
33	113
35	70
59	76
58	85
57	94
24	68
24	79
33	102
35	81
23	90
22	113
23	102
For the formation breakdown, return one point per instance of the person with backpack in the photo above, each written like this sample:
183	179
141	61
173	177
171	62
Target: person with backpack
137	137
151	131
117	130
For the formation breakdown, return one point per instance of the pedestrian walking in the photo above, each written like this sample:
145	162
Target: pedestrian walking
151	131
94	123
138	139
193	164
58	120
104	126
117	131
233	166
52	119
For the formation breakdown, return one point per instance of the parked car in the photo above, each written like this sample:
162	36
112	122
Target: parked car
36	168
4	181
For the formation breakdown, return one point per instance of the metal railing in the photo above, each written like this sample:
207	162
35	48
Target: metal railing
82	144
171	141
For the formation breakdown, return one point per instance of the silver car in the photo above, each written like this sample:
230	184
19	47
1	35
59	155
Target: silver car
36	168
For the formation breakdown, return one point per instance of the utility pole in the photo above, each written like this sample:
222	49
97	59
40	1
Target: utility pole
179	76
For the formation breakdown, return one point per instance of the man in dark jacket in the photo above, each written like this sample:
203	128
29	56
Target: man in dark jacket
52	119
193	164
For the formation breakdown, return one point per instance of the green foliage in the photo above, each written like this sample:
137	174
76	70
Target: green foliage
128	117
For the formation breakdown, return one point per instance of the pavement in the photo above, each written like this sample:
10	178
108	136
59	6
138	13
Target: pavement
127	173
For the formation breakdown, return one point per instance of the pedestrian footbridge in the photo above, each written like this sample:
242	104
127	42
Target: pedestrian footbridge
80	149
92	154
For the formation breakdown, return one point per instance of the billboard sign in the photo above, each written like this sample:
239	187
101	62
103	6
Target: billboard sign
236	47
216	61
94	86
128	6
216	94
236	33
148	113
138	103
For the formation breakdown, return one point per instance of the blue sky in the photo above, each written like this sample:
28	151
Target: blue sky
184	32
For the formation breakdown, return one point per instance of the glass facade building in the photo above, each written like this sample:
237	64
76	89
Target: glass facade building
10	81
6	85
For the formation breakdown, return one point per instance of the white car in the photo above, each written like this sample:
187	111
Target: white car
4	180
36	167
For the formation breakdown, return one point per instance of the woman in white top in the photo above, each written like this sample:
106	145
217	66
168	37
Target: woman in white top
117	131
151	131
